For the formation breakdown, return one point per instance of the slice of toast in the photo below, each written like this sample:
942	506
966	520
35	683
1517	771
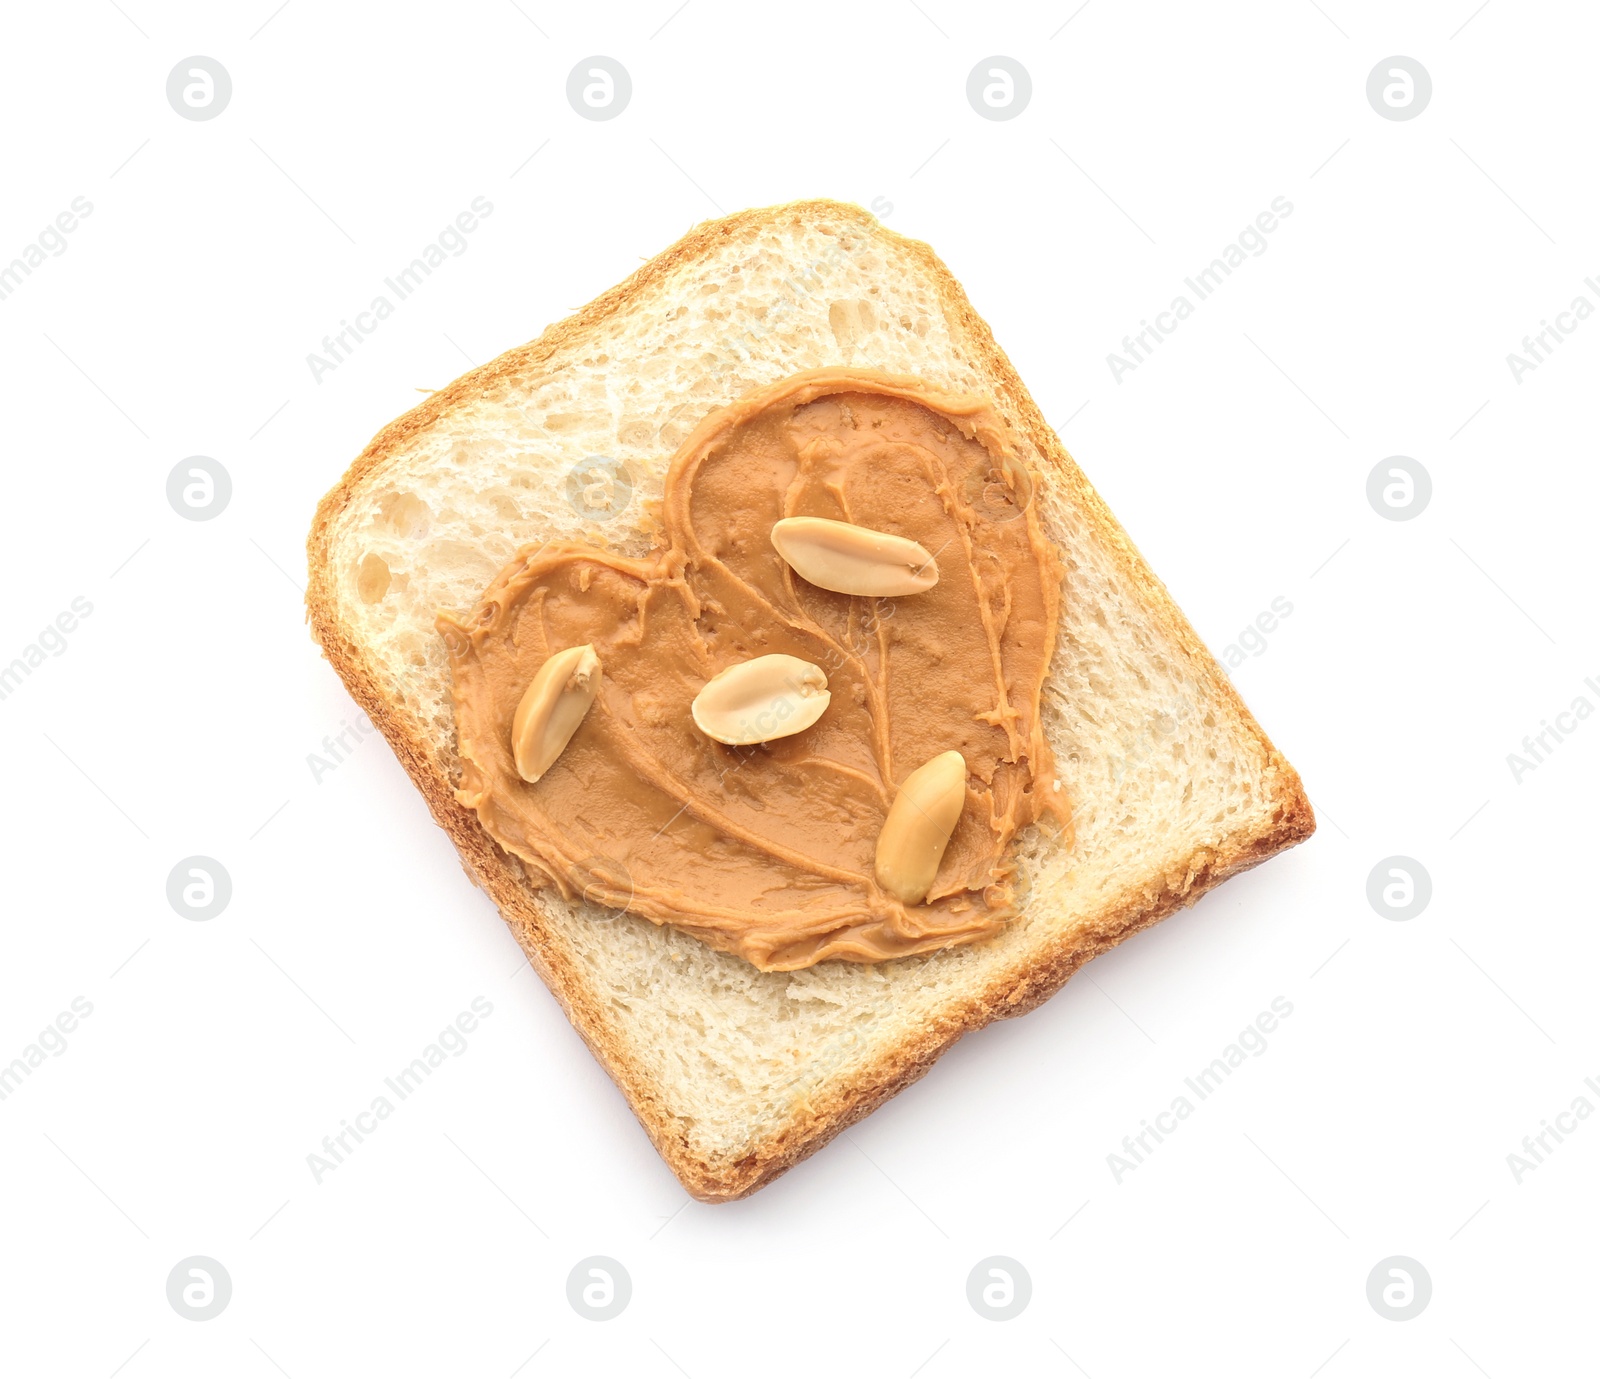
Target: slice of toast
738	1074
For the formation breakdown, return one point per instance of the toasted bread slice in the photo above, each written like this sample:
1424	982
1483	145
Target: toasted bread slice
737	1074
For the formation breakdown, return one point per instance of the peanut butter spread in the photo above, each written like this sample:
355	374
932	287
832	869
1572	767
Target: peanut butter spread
767	850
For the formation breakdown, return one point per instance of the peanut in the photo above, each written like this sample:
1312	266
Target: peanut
854	560
918	828
551	708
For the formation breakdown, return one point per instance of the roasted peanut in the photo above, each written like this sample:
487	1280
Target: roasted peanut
853	560
918	828
761	699
552	707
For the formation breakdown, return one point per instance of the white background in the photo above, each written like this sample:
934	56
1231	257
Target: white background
179	718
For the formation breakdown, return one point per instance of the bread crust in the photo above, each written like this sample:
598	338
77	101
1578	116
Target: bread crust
1012	992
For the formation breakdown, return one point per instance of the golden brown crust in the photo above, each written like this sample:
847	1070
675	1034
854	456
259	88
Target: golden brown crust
1011	993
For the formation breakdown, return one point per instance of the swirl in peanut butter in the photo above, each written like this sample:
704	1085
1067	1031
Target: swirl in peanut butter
767	851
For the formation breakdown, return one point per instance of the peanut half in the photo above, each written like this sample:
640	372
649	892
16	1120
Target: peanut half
853	560
919	825
761	699
552	707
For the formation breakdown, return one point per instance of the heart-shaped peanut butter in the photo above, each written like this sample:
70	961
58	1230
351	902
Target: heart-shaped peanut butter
767	851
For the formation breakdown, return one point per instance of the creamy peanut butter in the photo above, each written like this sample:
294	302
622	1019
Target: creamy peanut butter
767	851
